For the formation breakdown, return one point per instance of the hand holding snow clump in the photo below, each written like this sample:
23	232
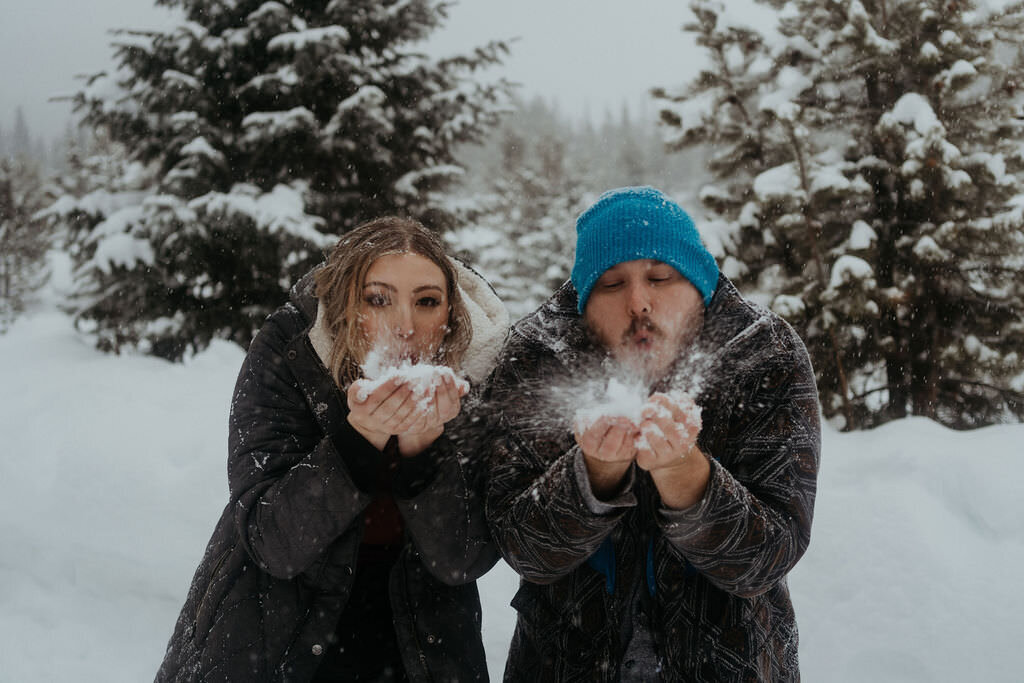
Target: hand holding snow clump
625	424
671	423
411	400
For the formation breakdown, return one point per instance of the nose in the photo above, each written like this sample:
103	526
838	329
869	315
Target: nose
639	300
403	322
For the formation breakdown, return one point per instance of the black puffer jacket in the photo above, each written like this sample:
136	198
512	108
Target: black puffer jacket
278	569
720	608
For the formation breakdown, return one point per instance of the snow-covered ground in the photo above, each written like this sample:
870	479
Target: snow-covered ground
113	473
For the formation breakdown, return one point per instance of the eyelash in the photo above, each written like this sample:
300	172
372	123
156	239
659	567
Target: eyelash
378	301
655	280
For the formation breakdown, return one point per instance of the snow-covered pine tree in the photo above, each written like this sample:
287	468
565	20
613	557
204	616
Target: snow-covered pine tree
522	239
97	181
24	240
883	216
259	131
719	110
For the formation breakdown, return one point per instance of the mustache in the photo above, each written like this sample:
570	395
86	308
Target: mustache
642	324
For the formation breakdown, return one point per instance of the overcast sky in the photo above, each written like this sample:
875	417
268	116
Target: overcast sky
591	56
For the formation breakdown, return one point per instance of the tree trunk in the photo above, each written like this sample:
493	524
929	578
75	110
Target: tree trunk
924	376
896	377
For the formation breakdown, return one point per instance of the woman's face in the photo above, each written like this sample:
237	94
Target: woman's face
404	310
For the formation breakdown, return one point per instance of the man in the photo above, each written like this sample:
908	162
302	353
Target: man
653	541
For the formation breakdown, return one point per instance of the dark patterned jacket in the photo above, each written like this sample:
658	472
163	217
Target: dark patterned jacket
279	567
720	609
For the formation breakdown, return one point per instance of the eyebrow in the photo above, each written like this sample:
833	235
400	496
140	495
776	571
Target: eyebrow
651	263
392	288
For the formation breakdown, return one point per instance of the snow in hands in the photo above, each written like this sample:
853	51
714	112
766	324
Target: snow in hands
381	366
617	399
630	400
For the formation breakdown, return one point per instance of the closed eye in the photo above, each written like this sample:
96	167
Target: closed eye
662	275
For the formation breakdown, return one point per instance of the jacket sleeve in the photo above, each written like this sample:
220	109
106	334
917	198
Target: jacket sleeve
445	515
293	495
754	521
536	504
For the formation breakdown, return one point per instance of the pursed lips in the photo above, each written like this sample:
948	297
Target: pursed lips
642	333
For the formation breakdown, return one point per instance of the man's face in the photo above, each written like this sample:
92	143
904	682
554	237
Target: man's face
644	312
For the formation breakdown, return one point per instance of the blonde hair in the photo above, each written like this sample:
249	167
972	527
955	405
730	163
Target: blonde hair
339	284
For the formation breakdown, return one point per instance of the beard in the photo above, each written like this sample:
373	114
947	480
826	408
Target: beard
646	351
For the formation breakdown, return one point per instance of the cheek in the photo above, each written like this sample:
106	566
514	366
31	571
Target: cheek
681	325
603	322
673	322
370	325
432	326
678	305
437	325
606	333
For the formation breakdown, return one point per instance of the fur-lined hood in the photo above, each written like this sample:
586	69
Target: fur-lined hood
487	314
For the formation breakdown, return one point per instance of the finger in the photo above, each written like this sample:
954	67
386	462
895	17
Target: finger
445	390
424	405
448	403
359	391
408	422
589	435
686	424
430	400
585	440
396	407
645	458
619	441
677	415
458	386
436	417
433	412
684	409
612	442
384	391
676	433
459	390
659	447
358	405
660	406
422	421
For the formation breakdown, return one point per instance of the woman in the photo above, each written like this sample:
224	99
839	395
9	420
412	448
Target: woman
354	532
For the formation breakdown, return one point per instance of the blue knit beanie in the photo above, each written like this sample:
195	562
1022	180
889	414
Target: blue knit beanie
633	223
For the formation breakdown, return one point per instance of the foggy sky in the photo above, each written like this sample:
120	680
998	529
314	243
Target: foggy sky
590	56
